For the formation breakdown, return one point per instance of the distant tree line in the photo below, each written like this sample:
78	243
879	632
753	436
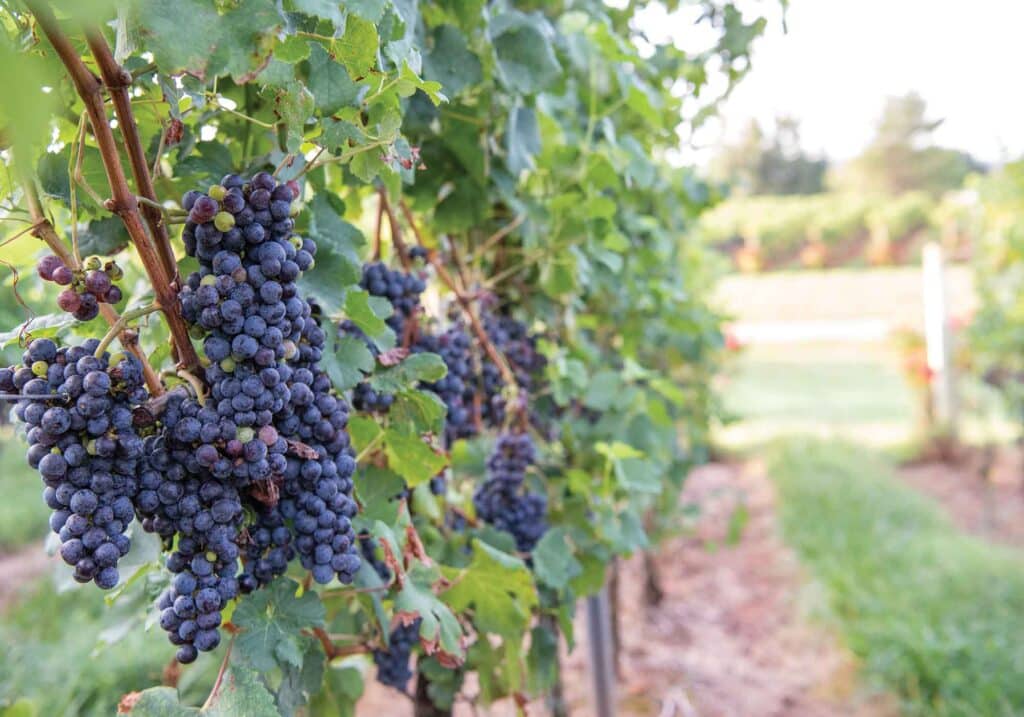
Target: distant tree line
901	157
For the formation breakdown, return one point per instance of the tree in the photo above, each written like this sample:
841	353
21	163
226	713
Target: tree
900	158
775	164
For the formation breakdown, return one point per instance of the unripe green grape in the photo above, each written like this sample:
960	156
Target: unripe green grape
244	434
217	192
224	221
39	368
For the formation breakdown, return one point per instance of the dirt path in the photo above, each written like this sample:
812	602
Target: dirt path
19	570
728	639
991	508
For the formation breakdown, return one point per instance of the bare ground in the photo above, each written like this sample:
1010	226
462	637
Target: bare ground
984	497
728	639
19	571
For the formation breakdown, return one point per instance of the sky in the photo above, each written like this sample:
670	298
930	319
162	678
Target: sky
838	60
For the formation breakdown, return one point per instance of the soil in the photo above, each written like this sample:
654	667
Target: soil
982	493
20	570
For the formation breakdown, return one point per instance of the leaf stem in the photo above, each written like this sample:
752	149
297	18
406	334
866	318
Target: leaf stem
121	324
220	675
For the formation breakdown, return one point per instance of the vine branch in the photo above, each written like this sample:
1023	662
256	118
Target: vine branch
396	230
464	301
123	202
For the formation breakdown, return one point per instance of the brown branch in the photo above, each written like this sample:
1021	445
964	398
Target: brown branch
464	301
43	229
396	231
123	203
378	226
118	81
497	236
332	651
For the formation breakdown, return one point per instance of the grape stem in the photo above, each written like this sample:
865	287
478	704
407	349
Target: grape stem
121	324
464	301
43	229
215	690
332	651
123	202
396	230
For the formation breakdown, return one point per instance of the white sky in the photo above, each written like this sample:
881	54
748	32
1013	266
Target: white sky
841	58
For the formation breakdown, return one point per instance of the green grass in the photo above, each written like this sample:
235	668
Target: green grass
935	616
23	516
50	654
823	390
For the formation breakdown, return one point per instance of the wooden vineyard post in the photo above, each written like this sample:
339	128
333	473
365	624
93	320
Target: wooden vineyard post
938	340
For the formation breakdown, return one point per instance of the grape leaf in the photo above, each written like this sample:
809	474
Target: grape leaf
522	139
357	48
497	586
377	488
330	84
416	367
337	259
46	326
372	10
422	409
450	61
271	620
326	9
553	561
299	684
347	363
104	237
411	458
291	49
293	106
439	629
241	693
358	308
526	58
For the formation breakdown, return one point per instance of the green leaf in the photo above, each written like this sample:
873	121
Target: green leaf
327	9
497	586
104	237
377	488
210	159
300	684
526	57
638	474
372	10
411	458
425	367
358	308
450	62
292	49
347	363
342	688
190	35
603	389
364	431
330	84
357	49
542	660
241	693
422	409
337	257
522	139
439	627
293	105
553	561
46	326
272	620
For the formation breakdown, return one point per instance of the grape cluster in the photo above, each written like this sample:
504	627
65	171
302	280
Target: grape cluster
262	472
393	666
501	500
455	389
78	412
514	341
86	289
368	549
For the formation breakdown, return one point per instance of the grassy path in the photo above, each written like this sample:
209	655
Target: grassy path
934	614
